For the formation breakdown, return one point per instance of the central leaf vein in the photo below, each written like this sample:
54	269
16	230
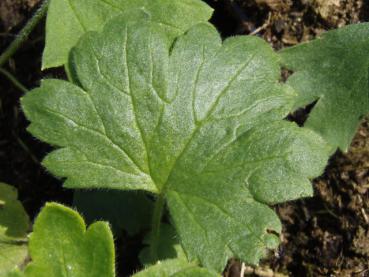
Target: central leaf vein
76	15
125	62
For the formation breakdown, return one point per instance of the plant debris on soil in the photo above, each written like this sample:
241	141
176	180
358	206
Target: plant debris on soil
326	235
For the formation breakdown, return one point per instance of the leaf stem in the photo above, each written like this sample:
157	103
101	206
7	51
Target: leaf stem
14	80
156	222
24	33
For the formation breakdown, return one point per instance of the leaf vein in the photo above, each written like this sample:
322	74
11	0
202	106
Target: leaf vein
200	123
125	62
192	215
100	134
228	85
151	83
76	15
104	77
222	210
196	83
99	164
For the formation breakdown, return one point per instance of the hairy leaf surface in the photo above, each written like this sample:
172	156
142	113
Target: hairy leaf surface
14	224
332	70
61	246
68	20
175	268
197	122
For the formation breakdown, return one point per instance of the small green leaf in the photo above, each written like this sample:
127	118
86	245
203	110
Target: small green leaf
14	224
332	70
14	221
169	247
125	210
68	20
15	273
12	256
175	268
198	122
61	246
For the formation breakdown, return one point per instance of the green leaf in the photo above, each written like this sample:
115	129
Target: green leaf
68	20
197	122
175	268
332	70
169	247
14	221
12	255
61	246
15	273
129	211
14	224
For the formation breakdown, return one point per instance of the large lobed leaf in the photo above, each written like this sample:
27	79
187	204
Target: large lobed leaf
197	121
332	70
61	246
68	20
14	225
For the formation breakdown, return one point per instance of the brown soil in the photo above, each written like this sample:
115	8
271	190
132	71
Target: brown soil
13	12
327	235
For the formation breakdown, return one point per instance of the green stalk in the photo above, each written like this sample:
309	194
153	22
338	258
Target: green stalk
14	80
156	222
24	33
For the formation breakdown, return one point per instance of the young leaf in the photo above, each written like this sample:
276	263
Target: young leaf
124	210
61	246
175	268
68	20
197	122
12	255
14	224
14	221
332	70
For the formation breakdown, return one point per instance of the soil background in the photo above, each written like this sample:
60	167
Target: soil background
327	235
